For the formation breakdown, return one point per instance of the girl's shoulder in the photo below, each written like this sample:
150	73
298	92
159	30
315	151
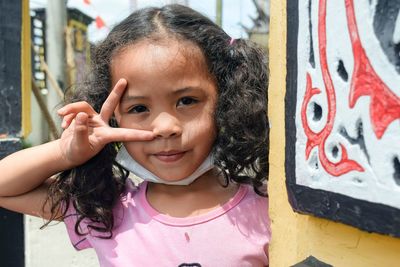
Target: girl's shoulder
254	198
255	204
129	198
253	212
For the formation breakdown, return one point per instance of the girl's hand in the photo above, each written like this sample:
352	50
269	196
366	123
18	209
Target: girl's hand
87	132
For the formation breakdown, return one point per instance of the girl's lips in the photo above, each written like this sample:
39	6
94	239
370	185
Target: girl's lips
170	156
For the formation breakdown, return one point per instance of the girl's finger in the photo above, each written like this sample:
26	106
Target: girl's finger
81	130
77	107
67	119
112	100
129	135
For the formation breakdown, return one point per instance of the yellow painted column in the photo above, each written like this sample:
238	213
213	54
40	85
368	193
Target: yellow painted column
26	69
283	238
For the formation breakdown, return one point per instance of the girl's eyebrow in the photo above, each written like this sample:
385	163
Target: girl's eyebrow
126	97
187	89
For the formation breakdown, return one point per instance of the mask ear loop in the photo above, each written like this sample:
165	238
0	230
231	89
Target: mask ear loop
225	176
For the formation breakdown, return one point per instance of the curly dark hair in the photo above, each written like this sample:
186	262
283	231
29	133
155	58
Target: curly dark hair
241	146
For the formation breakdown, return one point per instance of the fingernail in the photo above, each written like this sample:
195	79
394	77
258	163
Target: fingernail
78	120
151	136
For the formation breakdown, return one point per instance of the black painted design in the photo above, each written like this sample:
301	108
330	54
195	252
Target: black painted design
335	151
317	112
368	216
313	162
359	140
341	70
357	180
396	170
311	262
311	57
384	23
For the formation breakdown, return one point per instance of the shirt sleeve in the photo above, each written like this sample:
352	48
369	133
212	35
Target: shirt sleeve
78	241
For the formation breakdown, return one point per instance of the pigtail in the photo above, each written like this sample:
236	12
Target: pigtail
92	189
241	148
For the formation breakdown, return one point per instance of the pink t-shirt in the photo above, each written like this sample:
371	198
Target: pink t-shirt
232	235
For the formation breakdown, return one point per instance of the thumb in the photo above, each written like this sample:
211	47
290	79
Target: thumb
81	138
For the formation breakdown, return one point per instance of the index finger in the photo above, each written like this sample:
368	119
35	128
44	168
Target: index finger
112	100
128	135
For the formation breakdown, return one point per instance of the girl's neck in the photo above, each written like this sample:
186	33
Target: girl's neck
204	194
202	183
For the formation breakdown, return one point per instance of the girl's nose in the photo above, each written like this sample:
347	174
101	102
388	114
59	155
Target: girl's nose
166	125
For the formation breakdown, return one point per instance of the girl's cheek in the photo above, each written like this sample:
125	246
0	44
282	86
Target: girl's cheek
201	128
129	122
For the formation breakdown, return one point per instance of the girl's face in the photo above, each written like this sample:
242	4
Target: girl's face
171	93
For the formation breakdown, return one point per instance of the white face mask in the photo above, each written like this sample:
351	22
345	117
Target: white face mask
134	167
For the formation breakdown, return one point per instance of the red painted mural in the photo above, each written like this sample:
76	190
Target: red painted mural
343	109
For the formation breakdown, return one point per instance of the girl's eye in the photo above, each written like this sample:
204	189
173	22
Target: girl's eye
138	109
185	101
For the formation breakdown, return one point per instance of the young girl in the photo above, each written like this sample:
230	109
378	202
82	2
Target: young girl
173	99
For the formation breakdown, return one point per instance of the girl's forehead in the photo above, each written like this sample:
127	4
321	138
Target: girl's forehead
166	55
172	49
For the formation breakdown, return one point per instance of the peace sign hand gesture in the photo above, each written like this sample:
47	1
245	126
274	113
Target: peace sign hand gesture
87	132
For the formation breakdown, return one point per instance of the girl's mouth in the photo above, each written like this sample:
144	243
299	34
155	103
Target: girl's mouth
169	156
